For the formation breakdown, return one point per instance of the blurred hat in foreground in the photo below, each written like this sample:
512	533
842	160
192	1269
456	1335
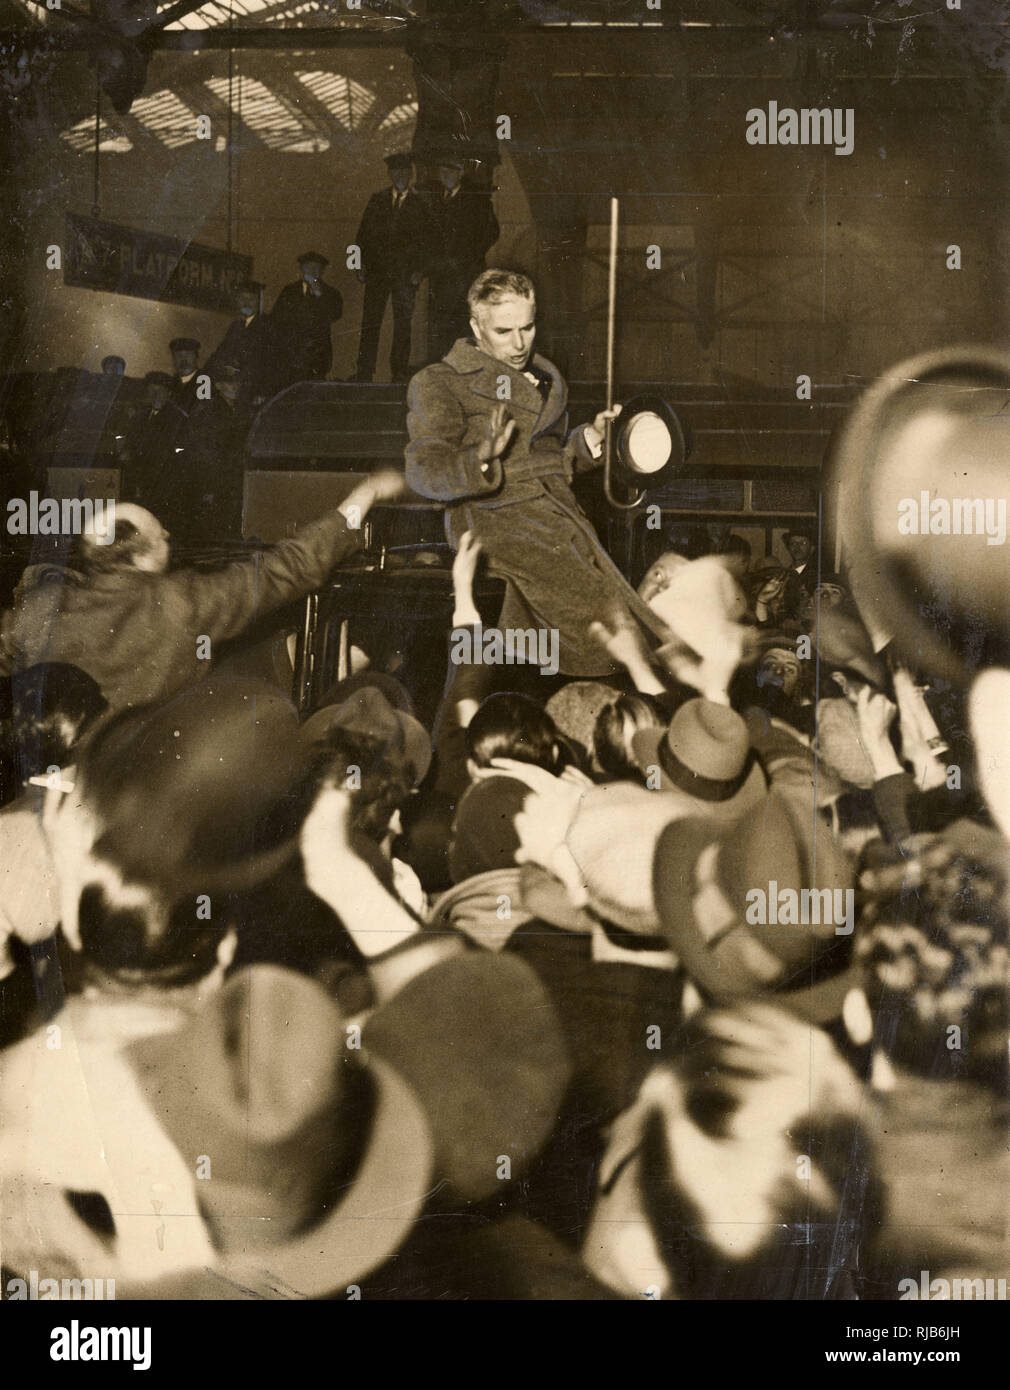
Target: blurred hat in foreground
205	792
321	1157
919	481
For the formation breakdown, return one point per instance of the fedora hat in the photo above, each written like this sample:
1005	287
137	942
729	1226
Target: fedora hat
205	792
367	710
921	458
483	835
710	882
321	1157
704	758
480	1044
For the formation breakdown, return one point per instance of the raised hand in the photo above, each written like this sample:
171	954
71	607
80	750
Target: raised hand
619	637
464	569
500	429
386	484
325	839
595	432
464	566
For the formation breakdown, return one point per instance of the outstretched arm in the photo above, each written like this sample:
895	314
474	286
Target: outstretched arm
223	604
387	935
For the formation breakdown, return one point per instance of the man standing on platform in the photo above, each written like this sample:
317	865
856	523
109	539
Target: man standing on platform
395	239
489	436
153	443
248	345
466	229
185	367
301	320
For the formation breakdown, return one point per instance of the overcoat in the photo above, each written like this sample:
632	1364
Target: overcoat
300	325
522	510
395	244
137	633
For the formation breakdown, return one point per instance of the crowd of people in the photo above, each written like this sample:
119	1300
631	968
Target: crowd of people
685	981
179	437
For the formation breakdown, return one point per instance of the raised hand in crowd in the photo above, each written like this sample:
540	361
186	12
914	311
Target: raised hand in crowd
378	923
921	742
622	640
464	571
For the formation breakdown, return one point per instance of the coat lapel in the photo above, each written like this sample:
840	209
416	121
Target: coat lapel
556	403
467	359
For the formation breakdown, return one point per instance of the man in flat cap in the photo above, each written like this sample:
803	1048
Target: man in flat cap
466	230
185	368
248	345
395	238
301	321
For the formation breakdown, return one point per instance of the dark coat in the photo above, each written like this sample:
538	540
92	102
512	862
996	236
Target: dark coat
183	393
301	327
395	244
136	633
202	503
250	347
466	230
523	511
798	589
151	445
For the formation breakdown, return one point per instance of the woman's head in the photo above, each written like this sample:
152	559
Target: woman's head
510	725
616	726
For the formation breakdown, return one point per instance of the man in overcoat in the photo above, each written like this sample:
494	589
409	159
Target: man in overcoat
143	632
466	229
395	238
489	437
301	322
248	345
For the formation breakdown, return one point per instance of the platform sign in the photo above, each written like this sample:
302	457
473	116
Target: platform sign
105	256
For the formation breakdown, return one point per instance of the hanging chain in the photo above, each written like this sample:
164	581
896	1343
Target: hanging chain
231	123
96	191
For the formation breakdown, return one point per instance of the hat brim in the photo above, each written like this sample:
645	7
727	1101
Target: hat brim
680	444
646	745
382	1203
720	975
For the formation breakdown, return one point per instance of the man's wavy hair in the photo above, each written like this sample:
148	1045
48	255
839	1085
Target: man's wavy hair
491	287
